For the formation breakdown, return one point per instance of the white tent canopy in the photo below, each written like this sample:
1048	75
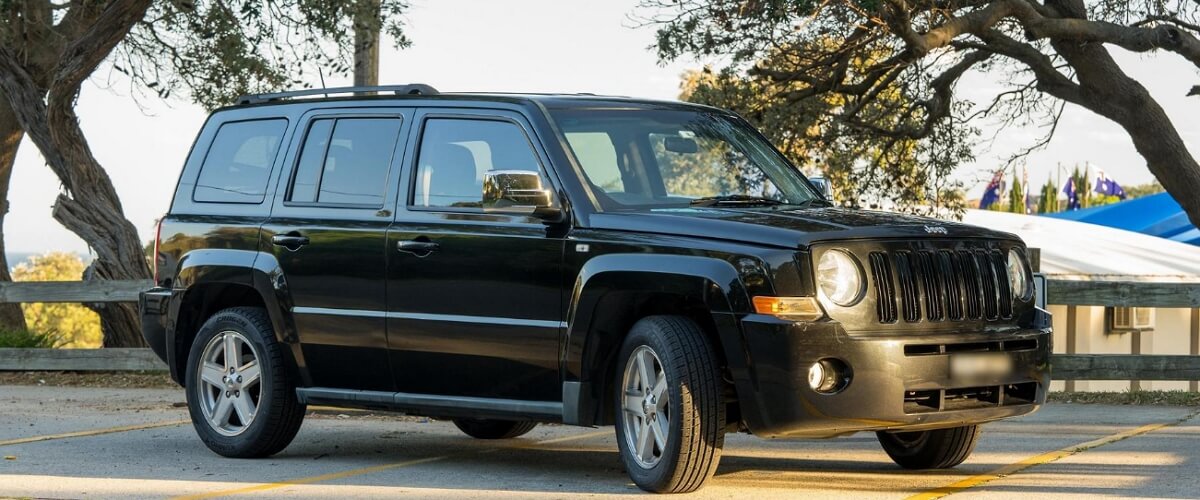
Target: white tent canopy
1078	250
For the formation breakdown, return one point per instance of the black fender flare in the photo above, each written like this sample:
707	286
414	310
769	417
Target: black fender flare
256	270
712	281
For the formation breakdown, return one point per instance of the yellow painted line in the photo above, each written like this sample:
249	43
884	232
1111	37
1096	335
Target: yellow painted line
367	470
1044	458
94	432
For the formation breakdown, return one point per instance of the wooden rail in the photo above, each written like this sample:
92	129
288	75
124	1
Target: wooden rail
72	291
1122	293
82	360
1124	367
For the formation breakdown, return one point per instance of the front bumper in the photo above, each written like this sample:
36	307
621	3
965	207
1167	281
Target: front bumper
899	381
152	305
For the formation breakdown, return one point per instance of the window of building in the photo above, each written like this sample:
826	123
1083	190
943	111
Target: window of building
1129	319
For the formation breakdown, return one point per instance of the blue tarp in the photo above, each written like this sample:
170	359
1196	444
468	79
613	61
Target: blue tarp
1155	215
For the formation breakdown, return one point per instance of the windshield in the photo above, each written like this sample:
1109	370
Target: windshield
635	158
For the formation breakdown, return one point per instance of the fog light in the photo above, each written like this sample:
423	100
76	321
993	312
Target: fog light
828	376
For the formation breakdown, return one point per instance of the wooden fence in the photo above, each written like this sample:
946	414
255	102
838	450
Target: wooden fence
1070	366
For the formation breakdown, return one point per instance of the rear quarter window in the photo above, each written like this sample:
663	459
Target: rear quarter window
238	163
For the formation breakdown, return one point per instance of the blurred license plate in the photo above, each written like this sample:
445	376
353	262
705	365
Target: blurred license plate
980	365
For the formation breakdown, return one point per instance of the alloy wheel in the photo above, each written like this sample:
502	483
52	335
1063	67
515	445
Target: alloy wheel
646	407
230	385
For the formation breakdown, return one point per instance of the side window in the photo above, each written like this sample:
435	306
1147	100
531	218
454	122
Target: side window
345	161
598	157
456	153
238	163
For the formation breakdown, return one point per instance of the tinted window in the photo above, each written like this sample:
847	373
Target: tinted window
239	162
456	153
346	161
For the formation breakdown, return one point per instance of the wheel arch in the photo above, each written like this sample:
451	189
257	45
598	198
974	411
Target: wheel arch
612	292
210	280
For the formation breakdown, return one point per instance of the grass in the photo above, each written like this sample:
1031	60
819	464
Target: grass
28	339
1142	398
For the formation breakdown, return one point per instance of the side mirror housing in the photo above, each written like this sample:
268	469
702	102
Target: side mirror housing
823	186
518	192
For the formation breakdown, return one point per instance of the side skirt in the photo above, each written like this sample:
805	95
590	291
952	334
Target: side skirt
432	405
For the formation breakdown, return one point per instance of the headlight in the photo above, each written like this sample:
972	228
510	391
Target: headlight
840	278
1018	281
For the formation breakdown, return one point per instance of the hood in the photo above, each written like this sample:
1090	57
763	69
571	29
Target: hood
788	228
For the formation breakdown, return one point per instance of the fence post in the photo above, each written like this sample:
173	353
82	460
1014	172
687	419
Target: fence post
1135	347
1069	385
1195	351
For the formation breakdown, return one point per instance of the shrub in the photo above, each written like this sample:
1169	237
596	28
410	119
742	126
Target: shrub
28	339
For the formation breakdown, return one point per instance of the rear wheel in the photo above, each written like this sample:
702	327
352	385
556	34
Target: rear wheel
669	411
482	428
241	400
936	449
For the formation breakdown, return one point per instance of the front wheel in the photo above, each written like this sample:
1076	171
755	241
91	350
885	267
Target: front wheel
241	400
669	410
936	449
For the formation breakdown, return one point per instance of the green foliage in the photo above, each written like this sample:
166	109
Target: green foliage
1016	195
866	168
1083	187
215	51
1048	203
1140	190
28	339
73	325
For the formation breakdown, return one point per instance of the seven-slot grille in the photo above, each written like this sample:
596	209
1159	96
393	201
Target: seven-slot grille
940	285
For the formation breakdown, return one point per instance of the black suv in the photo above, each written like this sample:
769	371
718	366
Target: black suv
502	260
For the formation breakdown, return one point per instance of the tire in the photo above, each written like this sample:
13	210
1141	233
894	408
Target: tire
936	449
274	416
482	428
694	409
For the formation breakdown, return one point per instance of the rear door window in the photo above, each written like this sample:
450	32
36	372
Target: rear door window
238	163
345	161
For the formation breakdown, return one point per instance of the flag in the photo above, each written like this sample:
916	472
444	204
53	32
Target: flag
992	194
1107	186
1072	198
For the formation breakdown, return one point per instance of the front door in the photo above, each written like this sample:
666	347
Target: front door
473	297
328	230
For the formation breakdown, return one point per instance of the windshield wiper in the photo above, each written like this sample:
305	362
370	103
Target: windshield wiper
821	202
734	200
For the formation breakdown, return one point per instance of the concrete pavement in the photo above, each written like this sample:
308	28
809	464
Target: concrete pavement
357	456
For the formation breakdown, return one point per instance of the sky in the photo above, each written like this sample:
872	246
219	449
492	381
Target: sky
520	46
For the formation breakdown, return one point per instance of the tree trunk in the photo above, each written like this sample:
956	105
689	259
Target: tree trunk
1106	90
89	206
367	25
11	315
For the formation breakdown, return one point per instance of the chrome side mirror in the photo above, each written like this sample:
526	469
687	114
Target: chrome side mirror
517	192
823	186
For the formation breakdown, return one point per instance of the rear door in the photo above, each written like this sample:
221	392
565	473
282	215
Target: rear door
473	297
328	230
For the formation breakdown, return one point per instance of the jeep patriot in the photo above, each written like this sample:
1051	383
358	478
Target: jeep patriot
502	260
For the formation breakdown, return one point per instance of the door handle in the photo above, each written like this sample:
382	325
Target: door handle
291	241
419	247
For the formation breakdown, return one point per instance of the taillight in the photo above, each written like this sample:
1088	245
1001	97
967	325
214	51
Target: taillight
157	239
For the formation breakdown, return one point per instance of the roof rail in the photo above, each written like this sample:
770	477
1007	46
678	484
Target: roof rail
410	89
